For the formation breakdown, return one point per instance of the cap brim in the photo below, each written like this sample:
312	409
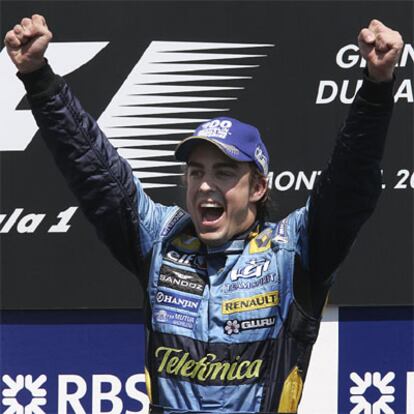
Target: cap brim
184	148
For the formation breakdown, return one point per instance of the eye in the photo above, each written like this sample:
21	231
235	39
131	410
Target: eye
225	173
194	173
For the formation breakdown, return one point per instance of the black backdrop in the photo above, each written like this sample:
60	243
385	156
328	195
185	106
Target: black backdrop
72	269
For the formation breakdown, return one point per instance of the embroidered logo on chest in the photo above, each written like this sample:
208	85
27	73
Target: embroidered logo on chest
187	243
261	243
194	261
264	300
178	301
236	326
181	280
252	268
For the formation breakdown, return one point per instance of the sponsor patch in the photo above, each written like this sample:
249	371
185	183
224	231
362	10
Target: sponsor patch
252	268
250	284
187	243
176	362
178	301
261	242
182	280
194	261
174	318
235	326
172	222
264	300
209	363
281	232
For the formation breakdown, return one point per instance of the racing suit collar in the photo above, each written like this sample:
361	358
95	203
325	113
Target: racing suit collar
238	243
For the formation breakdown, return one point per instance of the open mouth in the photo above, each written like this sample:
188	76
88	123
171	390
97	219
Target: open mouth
210	212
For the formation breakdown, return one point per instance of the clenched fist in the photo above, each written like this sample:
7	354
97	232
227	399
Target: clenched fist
27	42
381	47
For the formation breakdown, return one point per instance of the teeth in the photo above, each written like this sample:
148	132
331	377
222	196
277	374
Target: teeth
211	205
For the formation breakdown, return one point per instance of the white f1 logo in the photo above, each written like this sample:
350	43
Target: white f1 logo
141	115
18	127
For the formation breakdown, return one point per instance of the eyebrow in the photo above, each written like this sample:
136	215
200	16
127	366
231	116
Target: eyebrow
229	164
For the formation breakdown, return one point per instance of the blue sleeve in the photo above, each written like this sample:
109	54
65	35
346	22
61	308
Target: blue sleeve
113	200
301	220
151	218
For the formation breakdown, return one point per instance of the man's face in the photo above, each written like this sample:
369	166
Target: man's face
221	194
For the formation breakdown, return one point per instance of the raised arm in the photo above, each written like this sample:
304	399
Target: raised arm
348	189
111	197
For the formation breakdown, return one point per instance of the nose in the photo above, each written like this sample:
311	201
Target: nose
207	184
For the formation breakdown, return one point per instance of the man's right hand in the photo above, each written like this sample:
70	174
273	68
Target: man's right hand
27	42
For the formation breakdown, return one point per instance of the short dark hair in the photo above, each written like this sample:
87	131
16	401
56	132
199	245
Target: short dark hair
263	205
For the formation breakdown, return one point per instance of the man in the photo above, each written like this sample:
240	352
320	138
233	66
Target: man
233	302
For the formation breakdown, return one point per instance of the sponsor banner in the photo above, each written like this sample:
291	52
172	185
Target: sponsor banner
88	361
376	360
74	362
182	280
264	300
175	300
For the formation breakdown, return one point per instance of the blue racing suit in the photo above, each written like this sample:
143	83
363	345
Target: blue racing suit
229	328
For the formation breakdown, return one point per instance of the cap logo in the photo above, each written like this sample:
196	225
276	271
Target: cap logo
215	129
261	159
229	148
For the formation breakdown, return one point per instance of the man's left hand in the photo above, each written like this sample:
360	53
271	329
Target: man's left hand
381	47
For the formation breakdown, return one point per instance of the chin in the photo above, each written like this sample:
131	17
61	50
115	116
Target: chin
212	238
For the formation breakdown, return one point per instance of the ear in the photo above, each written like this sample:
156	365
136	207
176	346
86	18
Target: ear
258	188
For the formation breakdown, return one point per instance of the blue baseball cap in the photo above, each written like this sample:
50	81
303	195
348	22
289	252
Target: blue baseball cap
237	140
